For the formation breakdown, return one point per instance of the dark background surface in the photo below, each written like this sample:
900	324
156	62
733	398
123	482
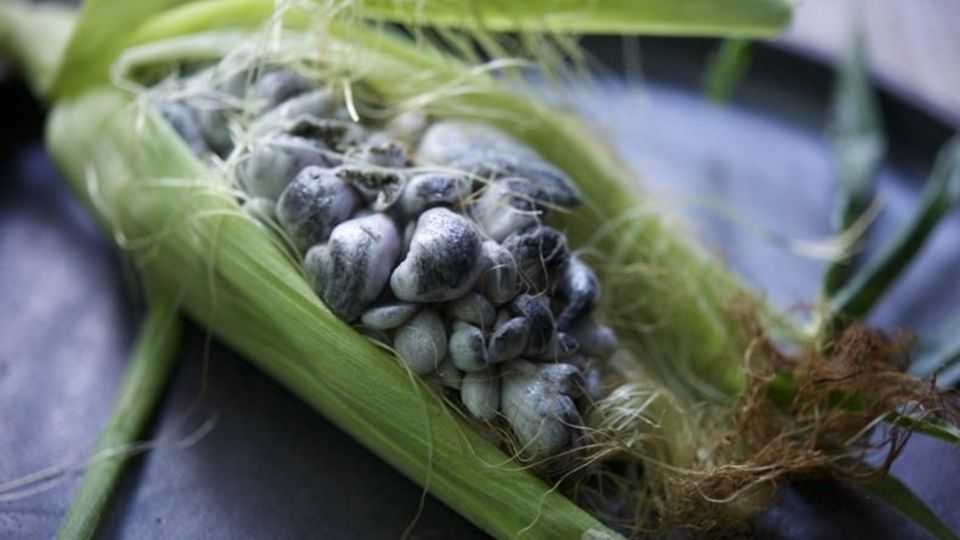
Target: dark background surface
236	456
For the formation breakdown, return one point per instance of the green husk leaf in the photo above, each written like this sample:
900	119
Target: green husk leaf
151	363
659	17
727	68
858	142
20	26
897	495
107	27
868	285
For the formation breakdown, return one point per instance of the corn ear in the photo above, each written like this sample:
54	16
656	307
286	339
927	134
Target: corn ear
191	240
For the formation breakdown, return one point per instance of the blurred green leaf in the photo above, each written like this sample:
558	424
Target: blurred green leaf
739	18
727	67
856	135
897	495
868	284
939	352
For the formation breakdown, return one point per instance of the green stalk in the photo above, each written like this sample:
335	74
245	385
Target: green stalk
151	363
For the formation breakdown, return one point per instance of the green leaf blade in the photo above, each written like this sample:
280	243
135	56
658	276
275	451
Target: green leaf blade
856	135
741	18
868	285
897	495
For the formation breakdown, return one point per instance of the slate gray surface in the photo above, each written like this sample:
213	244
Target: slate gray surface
267	466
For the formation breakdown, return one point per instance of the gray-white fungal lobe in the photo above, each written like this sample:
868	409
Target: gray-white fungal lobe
428	190
510	340
449	375
498	281
315	202
561	346
541	254
468	348
480	394
184	121
596	340
542	415
508	205
351	270
442	263
540	322
273	164
581	289
407	127
474	308
277	86
421	343
316	103
388	316
488	153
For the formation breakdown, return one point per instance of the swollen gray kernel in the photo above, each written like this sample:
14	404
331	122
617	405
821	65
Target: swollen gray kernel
313	204
541	325
428	190
543	416
183	119
449	375
498	282
422	342
274	87
444	259
562	378
509	340
480	394
581	288
314	104
474	308
267	170
468	349
507	206
351	270
561	346
407	127
593	384
487	152
541	254
388	316
596	340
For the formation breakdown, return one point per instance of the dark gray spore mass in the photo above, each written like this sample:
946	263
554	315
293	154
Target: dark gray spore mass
540	320
581	288
444	259
541	254
267	170
428	190
351	270
313	204
489	153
